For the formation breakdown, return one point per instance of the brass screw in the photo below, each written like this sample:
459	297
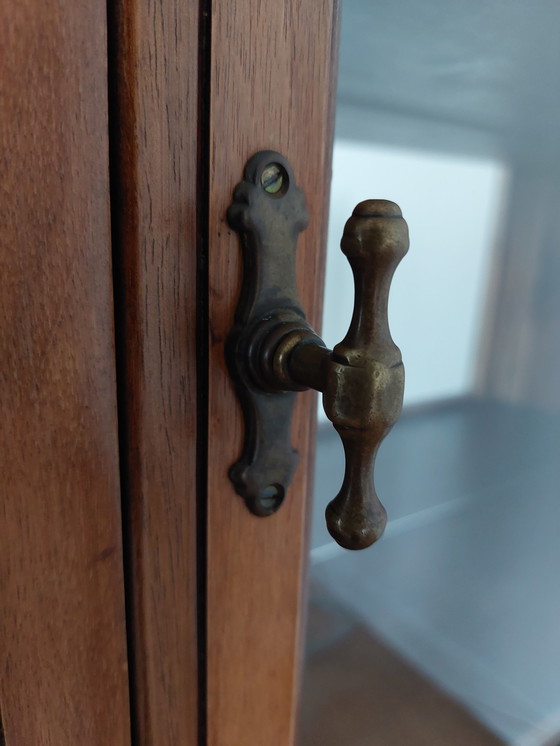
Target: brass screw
272	178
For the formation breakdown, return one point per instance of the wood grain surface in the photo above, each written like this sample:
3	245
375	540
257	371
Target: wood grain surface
154	66
271	87
63	663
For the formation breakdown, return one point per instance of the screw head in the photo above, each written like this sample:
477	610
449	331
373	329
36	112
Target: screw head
274	179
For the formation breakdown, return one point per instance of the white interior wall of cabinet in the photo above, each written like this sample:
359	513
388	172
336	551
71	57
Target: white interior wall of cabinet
454	207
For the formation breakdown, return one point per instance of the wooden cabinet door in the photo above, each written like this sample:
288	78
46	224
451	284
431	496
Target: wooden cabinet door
271	87
63	661
215	593
120	278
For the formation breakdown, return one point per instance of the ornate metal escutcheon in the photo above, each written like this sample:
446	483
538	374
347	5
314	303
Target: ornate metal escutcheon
272	352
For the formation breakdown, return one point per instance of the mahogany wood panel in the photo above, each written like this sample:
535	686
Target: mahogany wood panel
154	161
63	668
271	87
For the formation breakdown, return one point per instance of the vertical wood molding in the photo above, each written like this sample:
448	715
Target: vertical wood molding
271	87
63	666
154	163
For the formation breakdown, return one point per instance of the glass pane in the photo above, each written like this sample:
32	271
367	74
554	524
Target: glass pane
447	631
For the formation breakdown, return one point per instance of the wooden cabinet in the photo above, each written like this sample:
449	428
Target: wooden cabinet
63	674
123	137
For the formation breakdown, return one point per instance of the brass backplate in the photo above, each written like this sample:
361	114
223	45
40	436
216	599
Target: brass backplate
268	211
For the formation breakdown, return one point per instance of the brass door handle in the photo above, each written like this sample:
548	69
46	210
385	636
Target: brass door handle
273	352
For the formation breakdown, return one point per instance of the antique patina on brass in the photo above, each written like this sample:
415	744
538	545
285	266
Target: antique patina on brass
273	352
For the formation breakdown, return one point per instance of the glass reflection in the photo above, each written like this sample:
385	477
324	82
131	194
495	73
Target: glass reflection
446	632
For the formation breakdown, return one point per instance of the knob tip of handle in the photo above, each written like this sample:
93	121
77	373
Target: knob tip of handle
355	529
377	208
